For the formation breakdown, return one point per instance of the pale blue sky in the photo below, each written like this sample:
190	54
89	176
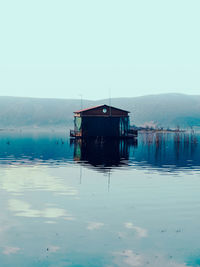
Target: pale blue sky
65	48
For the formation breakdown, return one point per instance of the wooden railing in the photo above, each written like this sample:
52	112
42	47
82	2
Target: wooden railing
74	133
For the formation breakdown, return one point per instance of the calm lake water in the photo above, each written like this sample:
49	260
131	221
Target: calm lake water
99	204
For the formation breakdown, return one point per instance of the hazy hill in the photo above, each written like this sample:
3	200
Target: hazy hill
164	110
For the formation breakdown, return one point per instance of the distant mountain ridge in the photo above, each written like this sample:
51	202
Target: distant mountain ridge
165	110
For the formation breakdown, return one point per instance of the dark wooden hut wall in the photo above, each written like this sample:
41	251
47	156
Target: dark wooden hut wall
102	121
100	126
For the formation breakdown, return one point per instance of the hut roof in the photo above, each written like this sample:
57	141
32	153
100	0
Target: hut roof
100	106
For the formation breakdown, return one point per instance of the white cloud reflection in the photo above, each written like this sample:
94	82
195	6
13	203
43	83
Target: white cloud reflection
94	225
17	180
10	250
127	258
22	208
141	232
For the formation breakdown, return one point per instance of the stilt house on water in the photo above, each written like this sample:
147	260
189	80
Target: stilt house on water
102	121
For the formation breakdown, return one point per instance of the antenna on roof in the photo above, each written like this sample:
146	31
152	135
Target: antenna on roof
81	100
110	101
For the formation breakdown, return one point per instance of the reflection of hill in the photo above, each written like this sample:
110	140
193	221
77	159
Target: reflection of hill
167	151
164	152
34	148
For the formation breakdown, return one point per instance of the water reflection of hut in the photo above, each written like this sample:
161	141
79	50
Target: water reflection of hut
103	154
102	121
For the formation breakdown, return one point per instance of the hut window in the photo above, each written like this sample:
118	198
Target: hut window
104	110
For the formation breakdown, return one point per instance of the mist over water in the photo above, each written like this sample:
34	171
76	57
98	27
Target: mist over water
111	203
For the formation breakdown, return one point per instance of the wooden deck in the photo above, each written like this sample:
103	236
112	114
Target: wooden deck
131	134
